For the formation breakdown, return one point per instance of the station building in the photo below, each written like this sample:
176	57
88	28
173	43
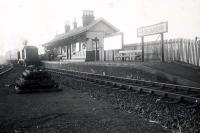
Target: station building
83	43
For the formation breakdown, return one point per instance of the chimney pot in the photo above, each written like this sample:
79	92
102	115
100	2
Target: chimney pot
67	27
75	23
87	17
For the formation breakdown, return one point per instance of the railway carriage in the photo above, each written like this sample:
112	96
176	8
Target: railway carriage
29	55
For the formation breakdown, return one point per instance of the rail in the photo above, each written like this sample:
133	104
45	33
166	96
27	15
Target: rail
178	92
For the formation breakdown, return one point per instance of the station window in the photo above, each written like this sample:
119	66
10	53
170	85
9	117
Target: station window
77	46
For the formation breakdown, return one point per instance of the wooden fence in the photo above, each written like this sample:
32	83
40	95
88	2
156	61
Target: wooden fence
183	50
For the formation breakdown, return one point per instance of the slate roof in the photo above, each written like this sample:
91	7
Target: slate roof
79	30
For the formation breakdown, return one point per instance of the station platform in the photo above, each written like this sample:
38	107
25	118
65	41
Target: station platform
170	72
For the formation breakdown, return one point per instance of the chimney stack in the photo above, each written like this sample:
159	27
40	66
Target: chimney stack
75	23
88	17
67	27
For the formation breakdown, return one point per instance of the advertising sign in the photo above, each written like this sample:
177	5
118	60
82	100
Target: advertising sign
113	42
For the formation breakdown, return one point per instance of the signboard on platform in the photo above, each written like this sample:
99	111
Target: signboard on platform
113	41
152	29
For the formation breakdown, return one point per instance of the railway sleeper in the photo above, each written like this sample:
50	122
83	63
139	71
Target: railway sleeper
122	90
108	83
114	84
101	82
115	88
151	92
122	87
162	86
139	90
188	90
97	81
170	100
93	80
150	84
195	95
112	78
180	97
88	79
134	88
175	88
130	88
118	85
168	94
105	82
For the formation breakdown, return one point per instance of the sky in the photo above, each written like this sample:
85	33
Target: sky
38	21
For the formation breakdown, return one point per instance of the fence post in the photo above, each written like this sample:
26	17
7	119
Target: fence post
162	47
173	49
166	49
142	39
197	51
113	55
188	52
104	55
198	47
181	50
193	52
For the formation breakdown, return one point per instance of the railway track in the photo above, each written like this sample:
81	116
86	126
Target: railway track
165	90
5	69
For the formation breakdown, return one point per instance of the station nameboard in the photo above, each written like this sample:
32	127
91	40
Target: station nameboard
152	29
